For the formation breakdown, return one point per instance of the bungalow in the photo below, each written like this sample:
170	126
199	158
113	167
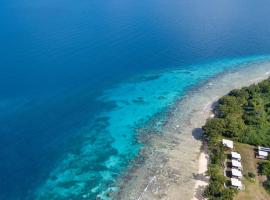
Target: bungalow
262	154
236	173
235	155
236	164
227	143
236	183
266	149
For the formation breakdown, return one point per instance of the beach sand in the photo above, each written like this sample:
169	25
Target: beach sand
202	179
175	161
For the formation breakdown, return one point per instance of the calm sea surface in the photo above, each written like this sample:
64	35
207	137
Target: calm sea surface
78	77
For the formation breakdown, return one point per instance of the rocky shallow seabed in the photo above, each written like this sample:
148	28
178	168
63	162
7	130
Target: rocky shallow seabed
167	166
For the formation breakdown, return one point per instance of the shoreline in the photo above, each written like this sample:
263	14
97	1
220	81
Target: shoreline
171	170
202	180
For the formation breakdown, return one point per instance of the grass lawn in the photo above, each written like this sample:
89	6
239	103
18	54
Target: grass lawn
253	190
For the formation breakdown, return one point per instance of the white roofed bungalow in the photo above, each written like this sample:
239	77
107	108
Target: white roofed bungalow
236	173
262	154
236	183
235	155
266	149
236	164
227	143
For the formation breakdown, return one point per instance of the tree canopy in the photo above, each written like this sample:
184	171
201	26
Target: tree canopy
243	115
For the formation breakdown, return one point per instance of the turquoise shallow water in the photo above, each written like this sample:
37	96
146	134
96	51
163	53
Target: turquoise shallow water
107	147
77	78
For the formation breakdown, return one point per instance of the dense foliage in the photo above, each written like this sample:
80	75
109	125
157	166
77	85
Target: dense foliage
264	168
242	115
267	185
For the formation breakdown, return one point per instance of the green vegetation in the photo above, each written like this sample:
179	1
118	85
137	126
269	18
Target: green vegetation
244	116
264	168
216	189
251	175
266	185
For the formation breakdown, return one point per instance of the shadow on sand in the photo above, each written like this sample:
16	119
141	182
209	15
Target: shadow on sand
197	133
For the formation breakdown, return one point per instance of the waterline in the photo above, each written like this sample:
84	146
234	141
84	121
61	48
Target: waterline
173	157
109	147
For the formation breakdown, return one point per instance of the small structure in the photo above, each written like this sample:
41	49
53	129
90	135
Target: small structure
227	143
266	149
236	183
236	173
262	154
235	155
236	164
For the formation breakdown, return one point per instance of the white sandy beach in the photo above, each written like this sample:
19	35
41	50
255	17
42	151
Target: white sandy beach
200	184
175	162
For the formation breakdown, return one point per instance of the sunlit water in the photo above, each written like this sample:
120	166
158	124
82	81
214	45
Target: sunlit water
78	79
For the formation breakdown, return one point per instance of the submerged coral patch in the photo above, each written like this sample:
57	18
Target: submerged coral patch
113	141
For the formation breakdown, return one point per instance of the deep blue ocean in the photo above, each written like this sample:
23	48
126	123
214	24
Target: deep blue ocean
78	77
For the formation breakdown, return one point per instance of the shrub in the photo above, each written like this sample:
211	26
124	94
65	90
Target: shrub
251	175
266	185
264	168
214	127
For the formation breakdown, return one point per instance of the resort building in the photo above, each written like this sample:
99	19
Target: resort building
236	183
266	149
227	143
262	154
236	173
236	164
235	155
